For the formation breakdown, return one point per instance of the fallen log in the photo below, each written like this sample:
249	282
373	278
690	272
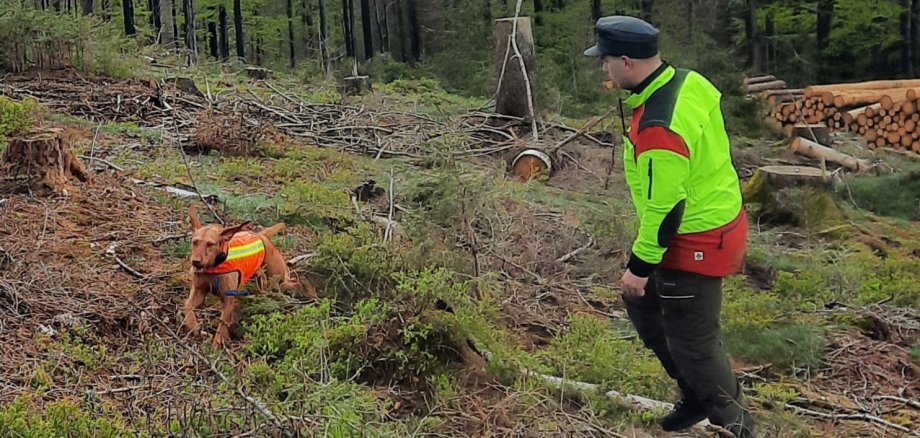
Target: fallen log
759	79
806	147
773	85
871	85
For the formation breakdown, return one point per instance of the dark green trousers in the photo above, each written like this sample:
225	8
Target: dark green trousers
678	319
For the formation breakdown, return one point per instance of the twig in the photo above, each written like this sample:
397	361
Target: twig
110	251
583	130
577	251
260	407
905	401
106	162
517	53
188	168
860	416
92	149
300	258
388	233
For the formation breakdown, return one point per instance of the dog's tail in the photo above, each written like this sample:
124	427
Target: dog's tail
272	230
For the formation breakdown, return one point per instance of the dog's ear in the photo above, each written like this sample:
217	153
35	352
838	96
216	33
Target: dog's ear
227	233
193	216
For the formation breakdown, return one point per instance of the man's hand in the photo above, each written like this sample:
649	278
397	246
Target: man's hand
633	286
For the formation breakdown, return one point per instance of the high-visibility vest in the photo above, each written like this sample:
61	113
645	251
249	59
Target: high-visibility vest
245	255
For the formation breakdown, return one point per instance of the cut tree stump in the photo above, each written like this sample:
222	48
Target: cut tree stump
820	131
356	85
41	158
258	73
794	195
185	84
511	93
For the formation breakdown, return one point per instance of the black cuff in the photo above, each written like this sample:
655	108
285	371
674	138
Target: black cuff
640	268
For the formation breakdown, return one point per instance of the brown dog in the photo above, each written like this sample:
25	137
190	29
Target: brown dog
223	260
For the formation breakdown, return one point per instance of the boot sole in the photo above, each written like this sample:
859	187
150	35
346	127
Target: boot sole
685	424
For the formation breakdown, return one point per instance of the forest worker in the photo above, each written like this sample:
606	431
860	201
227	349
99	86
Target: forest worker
692	227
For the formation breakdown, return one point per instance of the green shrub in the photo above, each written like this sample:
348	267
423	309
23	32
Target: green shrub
15	116
61	418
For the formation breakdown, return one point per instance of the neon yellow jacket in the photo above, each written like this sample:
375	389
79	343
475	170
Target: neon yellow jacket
678	165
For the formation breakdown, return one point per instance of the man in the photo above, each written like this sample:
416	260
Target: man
693	228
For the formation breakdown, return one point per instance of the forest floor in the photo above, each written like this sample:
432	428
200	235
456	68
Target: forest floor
436	292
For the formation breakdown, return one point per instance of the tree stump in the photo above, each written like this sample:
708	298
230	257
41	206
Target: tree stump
258	73
185	84
41	158
511	86
793	195
355	85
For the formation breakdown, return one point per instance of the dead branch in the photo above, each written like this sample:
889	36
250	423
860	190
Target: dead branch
859	416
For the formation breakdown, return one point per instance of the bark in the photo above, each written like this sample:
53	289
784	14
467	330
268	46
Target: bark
348	24
224	37
415	34
306	19
191	36
238	27
166	22
290	18
155	15
382	31
752	32
323	36
366	30
127	7
87	7
212	39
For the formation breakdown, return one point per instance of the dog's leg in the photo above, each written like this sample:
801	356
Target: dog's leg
275	266
195	298
227	317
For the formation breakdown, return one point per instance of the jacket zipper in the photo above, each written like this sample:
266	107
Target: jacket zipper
650	179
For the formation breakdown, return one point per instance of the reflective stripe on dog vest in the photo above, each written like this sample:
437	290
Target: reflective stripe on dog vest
245	255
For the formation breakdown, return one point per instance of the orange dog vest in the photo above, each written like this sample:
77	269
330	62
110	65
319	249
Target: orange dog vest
245	255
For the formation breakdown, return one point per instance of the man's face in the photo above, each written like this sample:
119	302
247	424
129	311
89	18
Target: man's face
617	70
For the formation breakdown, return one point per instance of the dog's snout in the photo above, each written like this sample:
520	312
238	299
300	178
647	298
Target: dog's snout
196	264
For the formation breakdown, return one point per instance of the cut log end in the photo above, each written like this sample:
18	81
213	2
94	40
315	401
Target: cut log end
41	157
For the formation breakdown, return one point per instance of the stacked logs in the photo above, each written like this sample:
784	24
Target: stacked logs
885	113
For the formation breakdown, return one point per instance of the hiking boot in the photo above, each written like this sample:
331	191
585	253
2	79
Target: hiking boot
685	413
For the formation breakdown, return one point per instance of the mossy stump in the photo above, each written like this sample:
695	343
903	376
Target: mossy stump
794	195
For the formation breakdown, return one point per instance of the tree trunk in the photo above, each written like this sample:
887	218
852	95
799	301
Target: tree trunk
224	37
166	22
191	36
907	59
306	18
511	86
290	19
127	7
155	15
595	10
825	18
238	26
175	20
752	33
348	22
212	39
770	43
382	31
366	30
915	30
415	33
323	36
87	7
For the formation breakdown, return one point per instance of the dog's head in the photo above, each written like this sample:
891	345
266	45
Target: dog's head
210	242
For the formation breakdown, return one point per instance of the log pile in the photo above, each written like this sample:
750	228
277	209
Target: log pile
885	113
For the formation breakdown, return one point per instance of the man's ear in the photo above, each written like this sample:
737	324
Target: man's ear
193	216
227	233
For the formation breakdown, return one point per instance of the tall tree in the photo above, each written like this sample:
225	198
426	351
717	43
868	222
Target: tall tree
366	30
191	36
290	22
167	33
238	27
224	38
349	26
595	10
907	58
127	6
415	32
175	20
323	37
823	22
87	7
155	15
752	35
306	18
212	38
